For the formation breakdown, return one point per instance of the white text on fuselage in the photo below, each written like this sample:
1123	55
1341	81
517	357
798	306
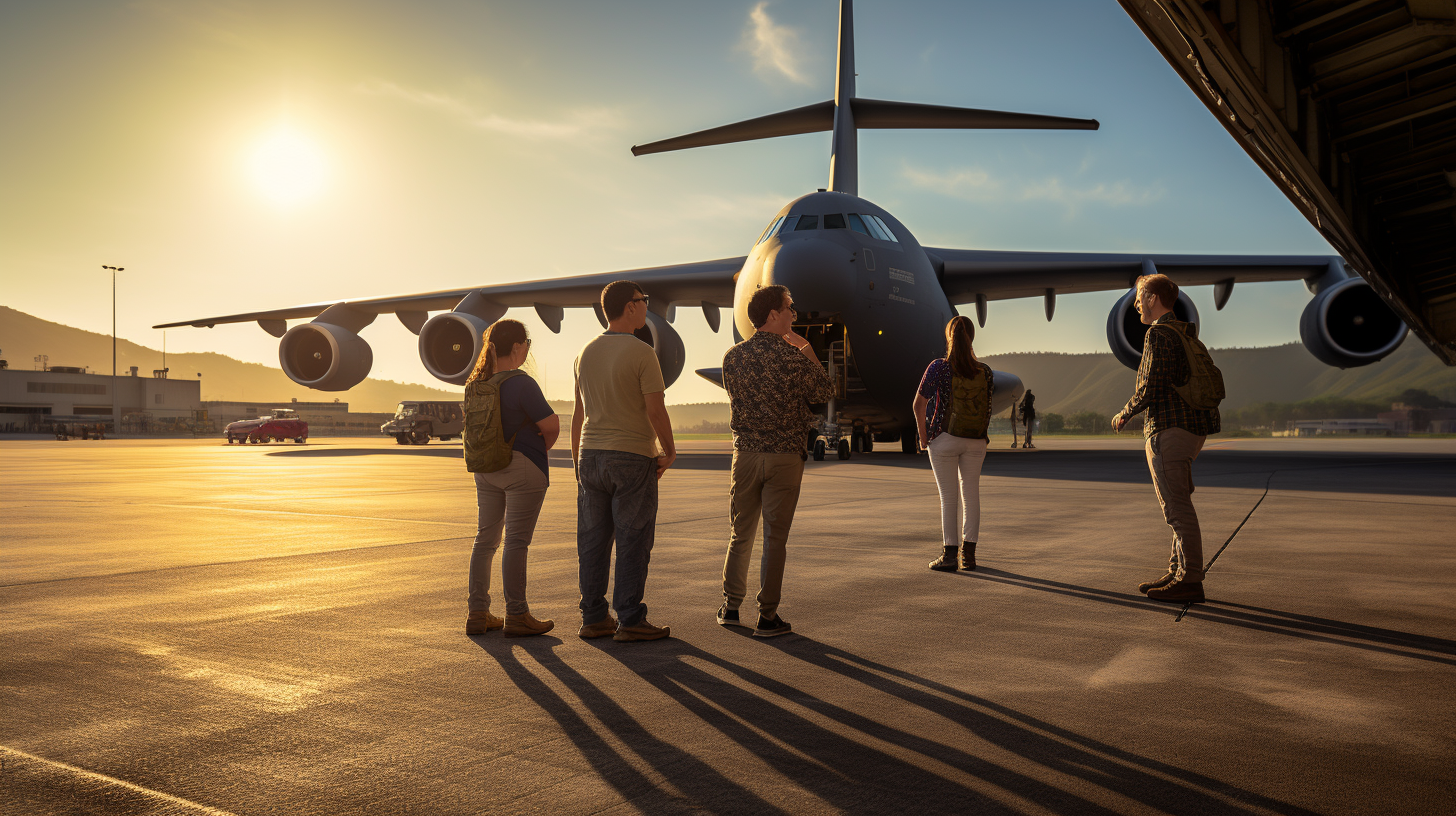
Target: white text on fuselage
901	275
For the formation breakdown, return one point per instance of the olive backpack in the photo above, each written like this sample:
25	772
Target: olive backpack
969	416
1204	389
486	448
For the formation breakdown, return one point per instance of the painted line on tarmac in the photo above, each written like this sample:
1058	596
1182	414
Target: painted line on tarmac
111	780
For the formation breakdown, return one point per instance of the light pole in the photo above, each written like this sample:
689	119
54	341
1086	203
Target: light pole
115	392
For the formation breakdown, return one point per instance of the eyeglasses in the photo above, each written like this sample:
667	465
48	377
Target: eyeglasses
642	300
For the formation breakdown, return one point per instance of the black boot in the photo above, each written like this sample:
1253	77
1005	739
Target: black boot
946	562
968	556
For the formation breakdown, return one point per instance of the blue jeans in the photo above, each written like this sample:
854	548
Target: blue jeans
616	498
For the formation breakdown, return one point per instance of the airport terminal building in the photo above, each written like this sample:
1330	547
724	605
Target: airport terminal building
61	394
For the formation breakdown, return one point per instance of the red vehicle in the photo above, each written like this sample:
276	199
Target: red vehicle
282	424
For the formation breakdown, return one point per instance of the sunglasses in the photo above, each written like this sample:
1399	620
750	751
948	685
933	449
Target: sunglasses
642	300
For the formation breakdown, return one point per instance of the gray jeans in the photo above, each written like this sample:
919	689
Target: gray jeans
957	463
616	499
1170	459
764	484
511	498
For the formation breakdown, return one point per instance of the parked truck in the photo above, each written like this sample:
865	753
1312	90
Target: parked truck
415	422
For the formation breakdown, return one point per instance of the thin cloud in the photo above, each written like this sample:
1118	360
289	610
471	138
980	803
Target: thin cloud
776	48
581	123
978	185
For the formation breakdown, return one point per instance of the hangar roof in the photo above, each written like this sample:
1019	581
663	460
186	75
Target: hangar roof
1350	107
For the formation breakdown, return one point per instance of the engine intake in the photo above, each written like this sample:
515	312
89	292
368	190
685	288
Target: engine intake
1125	328
1349	325
324	356
450	343
666	343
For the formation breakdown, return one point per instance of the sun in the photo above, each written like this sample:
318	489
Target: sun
287	168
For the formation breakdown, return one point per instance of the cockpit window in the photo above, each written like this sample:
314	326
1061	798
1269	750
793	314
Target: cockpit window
833	221
884	232
768	230
788	225
857	224
808	222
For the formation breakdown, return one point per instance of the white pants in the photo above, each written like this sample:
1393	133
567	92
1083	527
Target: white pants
956	463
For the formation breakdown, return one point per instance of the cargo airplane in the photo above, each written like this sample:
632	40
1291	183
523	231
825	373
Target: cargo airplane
873	300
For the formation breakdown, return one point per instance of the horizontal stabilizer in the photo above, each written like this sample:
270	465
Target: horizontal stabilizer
808	119
876	113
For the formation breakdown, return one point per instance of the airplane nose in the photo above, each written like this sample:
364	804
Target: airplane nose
819	273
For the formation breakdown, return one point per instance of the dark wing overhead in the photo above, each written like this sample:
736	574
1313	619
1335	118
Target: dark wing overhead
967	273
705	281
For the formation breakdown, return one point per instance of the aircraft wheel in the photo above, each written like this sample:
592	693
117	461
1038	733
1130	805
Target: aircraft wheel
419	437
844	449
401	439
818	450
867	443
907	443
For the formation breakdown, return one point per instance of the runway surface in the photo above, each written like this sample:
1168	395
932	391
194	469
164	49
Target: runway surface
188	627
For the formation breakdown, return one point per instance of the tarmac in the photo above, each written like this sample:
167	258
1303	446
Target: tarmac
191	627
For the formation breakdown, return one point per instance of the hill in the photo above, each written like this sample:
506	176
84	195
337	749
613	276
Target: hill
23	337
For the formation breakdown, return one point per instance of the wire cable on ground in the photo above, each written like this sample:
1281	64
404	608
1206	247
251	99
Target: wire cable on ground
1267	481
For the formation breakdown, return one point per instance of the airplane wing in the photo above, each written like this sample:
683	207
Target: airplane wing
704	281
969	274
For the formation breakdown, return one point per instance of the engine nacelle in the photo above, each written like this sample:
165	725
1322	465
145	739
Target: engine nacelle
1348	325
450	344
1007	389
668	345
1125	328
324	356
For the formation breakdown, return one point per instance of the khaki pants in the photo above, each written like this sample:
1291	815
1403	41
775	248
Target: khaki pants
767	484
1170	459
508	499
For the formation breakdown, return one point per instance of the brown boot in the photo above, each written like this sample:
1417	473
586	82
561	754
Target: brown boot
603	628
946	562
1158	584
524	625
968	555
478	623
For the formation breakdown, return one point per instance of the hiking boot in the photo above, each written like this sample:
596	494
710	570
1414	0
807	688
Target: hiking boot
968	555
946	562
602	628
478	623
1179	592
642	631
728	617
1158	584
777	626
524	625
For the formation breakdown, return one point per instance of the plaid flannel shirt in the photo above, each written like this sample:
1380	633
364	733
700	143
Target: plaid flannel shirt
1164	366
770	386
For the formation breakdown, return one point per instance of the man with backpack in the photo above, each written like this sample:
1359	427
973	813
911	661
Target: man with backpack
1180	388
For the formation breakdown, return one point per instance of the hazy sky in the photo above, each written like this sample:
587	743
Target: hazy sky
236	156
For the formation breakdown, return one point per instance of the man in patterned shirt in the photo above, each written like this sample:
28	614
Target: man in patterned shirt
771	379
1175	432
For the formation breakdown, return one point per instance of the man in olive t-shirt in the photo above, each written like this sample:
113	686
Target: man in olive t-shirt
616	429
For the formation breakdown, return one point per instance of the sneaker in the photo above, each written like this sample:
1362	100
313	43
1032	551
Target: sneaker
478	623
602	628
525	625
642	631
1179	592
728	617
946	562
770	628
968	556
1158	584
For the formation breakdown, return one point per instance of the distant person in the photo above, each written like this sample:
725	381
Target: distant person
508	428
1015	442
953	411
1028	416
618	423
1174	430
771	379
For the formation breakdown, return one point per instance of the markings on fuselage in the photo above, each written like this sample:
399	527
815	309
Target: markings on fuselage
902	275
901	299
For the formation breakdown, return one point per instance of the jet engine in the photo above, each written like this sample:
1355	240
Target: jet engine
1347	325
668	345
325	356
1125	329
450	343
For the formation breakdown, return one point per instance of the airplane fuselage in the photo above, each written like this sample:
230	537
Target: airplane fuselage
868	300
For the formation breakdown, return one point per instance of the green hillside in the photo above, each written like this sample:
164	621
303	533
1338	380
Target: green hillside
23	337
